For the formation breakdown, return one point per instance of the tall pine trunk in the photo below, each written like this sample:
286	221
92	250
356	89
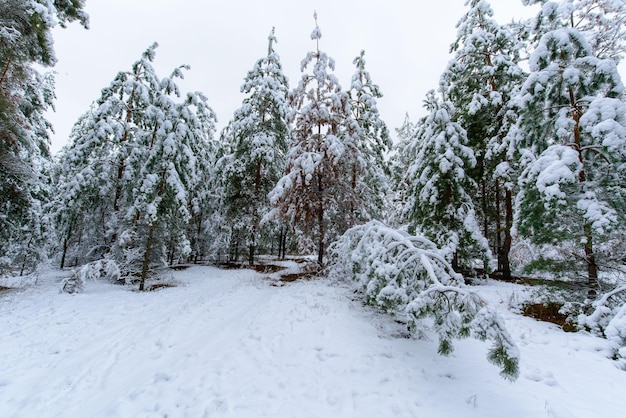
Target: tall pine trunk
590	258
320	221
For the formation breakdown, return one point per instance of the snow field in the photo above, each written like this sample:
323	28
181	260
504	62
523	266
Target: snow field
228	344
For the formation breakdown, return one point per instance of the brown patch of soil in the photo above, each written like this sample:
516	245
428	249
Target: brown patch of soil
549	313
296	276
4	289
180	267
159	286
267	268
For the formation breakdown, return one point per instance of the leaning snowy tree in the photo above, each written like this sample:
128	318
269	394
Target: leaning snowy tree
440	190
313	195
480	81
409	277
25	95
258	136
571	131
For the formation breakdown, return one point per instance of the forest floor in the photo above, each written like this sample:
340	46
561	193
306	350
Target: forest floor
242	343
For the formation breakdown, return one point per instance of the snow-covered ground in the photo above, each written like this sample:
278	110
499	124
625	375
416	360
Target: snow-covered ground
229	344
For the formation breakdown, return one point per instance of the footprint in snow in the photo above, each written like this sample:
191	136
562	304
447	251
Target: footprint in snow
537	375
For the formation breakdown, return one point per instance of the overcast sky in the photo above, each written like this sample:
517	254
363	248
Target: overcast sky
406	47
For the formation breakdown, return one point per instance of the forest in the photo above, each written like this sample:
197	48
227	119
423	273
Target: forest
517	171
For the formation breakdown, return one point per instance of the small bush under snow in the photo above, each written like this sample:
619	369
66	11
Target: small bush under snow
101	269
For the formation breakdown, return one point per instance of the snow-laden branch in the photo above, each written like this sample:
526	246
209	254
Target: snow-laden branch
401	273
608	320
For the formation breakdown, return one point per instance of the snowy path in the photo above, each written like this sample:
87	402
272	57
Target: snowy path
227	344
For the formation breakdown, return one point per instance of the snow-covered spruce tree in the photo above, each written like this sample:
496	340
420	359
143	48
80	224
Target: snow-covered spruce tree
440	189
371	184
409	276
571	131
480	81
313	195
260	135
25	95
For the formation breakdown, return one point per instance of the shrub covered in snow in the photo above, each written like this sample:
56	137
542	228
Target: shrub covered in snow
404	274
608	320
101	269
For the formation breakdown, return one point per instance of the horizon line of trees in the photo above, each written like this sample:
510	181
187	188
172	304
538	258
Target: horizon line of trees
523	147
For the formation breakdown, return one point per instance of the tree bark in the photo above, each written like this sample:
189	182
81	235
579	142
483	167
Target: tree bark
592	267
506	246
146	256
320	221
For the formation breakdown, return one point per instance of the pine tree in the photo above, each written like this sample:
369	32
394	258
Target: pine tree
441	204
260	134
25	95
481	81
94	184
168	170
136	165
372	183
572	186
601	22
401	156
313	195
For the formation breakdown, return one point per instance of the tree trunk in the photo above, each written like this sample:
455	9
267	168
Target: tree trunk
506	246
320	221
498	227
146	256
592	267
65	245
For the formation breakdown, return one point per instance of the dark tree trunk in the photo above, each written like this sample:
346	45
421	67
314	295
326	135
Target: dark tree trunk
320	221
146	256
506	246
590	258
65	245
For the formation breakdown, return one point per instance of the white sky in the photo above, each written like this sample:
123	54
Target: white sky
406	45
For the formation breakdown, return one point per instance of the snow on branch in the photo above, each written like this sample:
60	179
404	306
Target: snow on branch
608	320
404	274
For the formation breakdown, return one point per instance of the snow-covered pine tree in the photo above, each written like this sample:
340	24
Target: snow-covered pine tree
601	22
440	189
373	143
571	131
132	175
260	135
25	95
165	160
95	181
313	195
480	82
400	158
